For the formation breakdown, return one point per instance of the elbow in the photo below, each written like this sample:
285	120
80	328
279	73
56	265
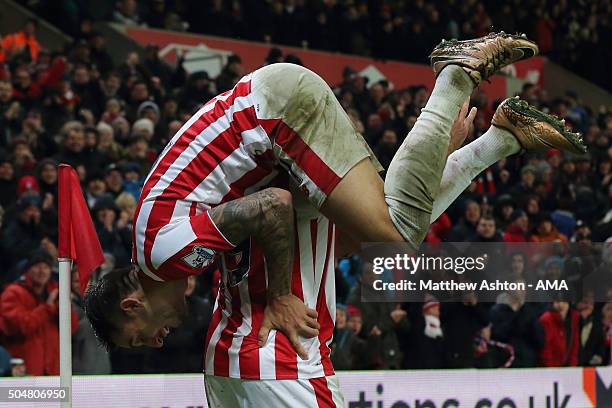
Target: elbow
278	202
282	198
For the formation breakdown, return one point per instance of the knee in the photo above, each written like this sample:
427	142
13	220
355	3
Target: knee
295	69
309	82
411	223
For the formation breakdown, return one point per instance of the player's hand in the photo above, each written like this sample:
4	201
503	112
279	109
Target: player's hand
461	126
290	315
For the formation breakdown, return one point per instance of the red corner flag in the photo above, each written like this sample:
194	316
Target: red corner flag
77	236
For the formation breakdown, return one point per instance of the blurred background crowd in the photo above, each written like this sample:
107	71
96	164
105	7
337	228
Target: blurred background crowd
572	32
109	121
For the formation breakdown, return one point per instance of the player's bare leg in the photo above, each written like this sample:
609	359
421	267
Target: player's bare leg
402	208
516	127
357	205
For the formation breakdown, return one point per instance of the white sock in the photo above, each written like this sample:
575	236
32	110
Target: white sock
413	178
465	164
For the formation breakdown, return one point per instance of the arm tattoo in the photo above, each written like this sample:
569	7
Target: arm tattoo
269	219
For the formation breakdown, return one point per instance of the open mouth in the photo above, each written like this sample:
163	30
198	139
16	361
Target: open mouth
161	335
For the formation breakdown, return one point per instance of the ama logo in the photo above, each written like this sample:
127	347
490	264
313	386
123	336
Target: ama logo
598	387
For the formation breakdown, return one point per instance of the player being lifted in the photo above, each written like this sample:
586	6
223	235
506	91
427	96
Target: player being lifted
206	196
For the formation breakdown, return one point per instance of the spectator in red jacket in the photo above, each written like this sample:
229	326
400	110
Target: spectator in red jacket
439	230
517	230
561	336
29	309
29	90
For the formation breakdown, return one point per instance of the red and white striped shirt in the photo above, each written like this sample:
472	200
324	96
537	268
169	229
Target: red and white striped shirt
217	156
224	152
232	348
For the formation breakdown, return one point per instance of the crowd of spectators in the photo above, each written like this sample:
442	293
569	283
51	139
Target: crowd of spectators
109	121
572	32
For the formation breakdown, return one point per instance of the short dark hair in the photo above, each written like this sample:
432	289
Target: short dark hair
487	217
102	300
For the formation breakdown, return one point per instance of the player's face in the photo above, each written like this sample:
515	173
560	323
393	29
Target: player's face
148	326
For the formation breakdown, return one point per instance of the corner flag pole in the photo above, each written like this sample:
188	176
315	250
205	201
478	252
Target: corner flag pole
65	272
78	242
